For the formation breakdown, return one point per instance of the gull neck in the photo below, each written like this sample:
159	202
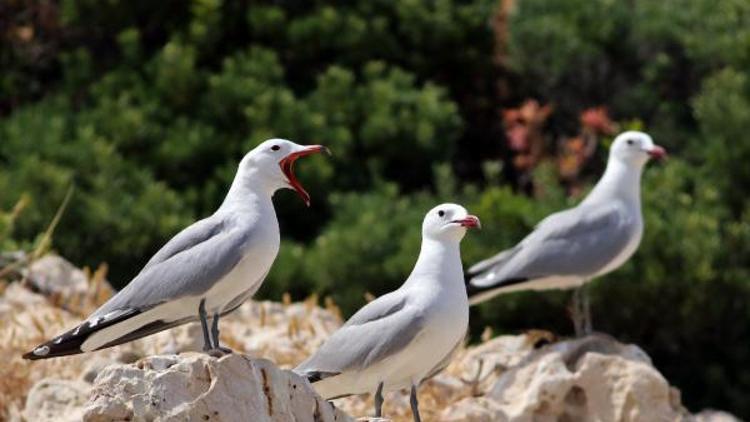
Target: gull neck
619	181
438	260
249	188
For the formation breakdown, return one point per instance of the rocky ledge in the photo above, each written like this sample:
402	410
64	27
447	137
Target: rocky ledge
591	379
196	387
527	377
186	387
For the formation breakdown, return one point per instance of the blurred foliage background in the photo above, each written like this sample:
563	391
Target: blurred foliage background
505	106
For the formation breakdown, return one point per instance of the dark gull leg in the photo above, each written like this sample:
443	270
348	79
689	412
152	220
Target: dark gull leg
204	324
216	350
414	404
215	335
379	401
587	328
577	312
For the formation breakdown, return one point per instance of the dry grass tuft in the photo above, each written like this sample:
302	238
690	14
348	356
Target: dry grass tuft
27	319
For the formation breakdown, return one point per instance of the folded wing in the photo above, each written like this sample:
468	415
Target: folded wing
576	243
381	329
188	265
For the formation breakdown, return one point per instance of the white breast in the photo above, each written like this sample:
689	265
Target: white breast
248	275
628	250
446	321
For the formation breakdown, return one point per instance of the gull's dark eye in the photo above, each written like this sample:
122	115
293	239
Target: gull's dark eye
275	148
630	142
441	213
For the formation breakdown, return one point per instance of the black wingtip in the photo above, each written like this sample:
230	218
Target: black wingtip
316	376
69	343
469	274
70	346
471	290
31	356
467	278
474	292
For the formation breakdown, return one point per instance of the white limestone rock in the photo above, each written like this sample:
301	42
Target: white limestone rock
590	379
197	387
53	400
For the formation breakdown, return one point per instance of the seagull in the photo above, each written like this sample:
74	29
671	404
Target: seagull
408	335
570	248
206	270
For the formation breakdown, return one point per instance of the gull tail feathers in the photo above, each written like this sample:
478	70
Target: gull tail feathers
479	294
69	342
72	342
324	383
315	376
488	263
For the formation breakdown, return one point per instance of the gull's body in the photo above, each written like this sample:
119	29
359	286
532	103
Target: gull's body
570	248
417	326
405	336
554	255
208	269
245	243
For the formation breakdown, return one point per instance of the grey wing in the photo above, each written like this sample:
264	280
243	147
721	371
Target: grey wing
196	233
207	254
383	306
576	242
501	257
382	328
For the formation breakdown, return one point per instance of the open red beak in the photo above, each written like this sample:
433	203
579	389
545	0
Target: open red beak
470	221
657	153
287	167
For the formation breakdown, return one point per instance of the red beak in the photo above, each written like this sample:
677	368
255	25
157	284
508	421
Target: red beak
287	167
470	221
657	153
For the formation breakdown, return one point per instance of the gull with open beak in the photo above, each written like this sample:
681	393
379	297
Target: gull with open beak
206	270
401	338
570	248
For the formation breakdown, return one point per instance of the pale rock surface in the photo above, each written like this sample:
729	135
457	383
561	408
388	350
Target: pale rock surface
475	409
485	362
52	274
197	387
53	400
590	379
16	300
519	376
